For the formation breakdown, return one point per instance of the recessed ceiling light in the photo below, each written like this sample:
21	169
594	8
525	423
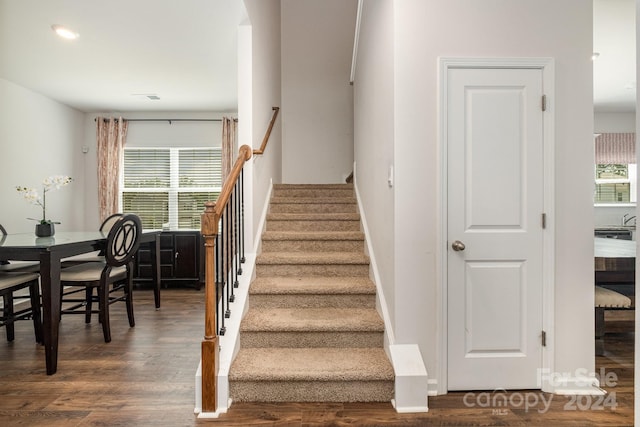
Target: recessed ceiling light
65	32
595	56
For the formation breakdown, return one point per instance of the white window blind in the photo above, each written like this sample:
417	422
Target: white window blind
167	187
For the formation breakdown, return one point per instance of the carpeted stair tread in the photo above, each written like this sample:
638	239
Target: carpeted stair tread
313	235
311	258
312	320
313	216
314	364
313	200
315	186
312	332
312	285
310	191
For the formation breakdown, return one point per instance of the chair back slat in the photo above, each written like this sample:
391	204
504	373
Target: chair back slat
108	223
123	240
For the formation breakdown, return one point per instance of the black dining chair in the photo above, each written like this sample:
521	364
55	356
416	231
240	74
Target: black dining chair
113	277
69	294
97	255
11	282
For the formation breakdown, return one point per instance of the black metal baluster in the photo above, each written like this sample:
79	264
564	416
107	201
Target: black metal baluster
242	259
220	300
236	256
226	237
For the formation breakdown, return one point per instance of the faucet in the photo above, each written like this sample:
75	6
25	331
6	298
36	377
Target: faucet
626	220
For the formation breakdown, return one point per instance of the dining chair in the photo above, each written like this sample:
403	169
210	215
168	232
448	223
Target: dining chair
67	294
10	284
17	266
96	255
110	276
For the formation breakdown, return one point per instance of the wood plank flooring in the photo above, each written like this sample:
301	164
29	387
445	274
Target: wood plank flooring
145	377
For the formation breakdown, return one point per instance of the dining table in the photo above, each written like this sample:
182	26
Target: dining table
49	251
615	260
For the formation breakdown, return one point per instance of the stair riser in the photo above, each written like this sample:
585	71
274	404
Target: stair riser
330	270
312	225
309	391
313	301
313	208
306	192
262	339
312	246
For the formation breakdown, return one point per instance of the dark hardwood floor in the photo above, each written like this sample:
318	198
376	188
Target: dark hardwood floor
145	377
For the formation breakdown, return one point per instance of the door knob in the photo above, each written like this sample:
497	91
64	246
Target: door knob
458	246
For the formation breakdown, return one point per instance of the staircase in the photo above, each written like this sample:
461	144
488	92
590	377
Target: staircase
312	333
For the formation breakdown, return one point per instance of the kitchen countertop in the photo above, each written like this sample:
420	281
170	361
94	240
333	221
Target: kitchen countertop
615	227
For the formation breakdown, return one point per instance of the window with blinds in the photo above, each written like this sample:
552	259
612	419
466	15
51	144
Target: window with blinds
615	183
167	187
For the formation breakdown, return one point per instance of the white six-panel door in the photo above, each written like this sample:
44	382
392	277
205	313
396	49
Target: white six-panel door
494	208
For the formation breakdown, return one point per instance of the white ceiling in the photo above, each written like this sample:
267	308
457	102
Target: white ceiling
183	51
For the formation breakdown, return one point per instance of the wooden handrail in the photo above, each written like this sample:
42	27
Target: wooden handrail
268	133
244	154
209	228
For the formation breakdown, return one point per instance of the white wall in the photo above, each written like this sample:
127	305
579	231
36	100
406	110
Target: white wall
317	99
39	138
146	134
374	136
614	122
423	32
265	84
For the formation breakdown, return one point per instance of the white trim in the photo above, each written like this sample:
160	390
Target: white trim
381	301
567	383
546	65
411	380
356	38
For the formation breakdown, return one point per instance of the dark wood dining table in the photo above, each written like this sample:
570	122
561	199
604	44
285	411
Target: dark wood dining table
615	260
49	251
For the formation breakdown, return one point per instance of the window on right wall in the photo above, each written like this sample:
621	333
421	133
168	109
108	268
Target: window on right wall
615	169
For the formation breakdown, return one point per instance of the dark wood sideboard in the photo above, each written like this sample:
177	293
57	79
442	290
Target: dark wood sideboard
181	259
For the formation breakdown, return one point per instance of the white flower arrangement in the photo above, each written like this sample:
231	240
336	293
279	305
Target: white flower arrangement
32	196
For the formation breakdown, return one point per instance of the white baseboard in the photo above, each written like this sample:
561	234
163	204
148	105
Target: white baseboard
433	387
577	386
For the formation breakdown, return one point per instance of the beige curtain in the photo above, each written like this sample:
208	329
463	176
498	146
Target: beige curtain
616	148
229	130
111	135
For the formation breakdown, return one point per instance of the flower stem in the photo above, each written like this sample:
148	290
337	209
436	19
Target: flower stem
44	208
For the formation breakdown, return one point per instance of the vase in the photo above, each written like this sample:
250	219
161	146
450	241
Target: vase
45	230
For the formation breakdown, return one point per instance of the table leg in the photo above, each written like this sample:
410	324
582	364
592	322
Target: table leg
155	270
50	284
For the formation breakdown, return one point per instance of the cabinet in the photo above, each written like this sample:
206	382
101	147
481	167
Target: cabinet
181	259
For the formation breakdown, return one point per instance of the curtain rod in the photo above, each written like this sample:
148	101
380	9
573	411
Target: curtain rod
169	120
